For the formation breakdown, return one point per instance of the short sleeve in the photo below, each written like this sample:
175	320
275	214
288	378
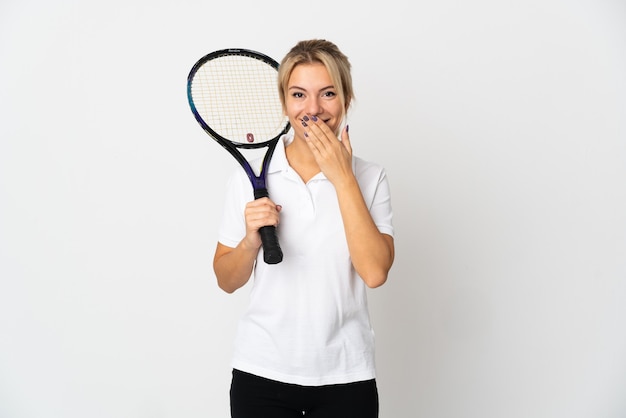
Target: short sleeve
377	194
232	227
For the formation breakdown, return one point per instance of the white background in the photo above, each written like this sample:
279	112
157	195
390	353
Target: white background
503	129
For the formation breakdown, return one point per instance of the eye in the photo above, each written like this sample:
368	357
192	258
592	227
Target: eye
297	95
329	94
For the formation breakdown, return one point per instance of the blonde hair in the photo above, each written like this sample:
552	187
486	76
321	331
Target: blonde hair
326	53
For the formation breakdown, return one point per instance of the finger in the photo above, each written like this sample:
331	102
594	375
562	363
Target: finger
345	139
316	130
262	208
320	131
261	202
312	142
258	219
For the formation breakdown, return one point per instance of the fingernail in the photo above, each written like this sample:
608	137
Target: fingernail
306	135
314	118
347	128
305	117
304	124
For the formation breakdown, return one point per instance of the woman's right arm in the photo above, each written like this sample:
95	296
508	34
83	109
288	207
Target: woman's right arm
233	266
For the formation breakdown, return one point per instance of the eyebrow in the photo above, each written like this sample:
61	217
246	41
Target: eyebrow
322	89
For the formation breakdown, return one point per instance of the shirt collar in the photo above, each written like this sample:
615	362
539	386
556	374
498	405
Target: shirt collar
279	159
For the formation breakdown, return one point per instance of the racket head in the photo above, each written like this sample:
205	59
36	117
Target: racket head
233	94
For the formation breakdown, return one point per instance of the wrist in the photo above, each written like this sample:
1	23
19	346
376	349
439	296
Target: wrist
346	183
250	245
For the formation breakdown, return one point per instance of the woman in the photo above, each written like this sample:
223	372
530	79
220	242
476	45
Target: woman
305	345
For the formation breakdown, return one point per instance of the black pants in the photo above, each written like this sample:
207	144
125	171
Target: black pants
256	397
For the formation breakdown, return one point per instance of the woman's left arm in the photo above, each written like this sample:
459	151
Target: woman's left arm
371	251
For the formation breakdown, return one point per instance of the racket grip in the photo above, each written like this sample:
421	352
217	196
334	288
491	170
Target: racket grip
272	254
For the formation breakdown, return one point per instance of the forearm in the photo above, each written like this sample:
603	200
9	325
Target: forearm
372	252
233	266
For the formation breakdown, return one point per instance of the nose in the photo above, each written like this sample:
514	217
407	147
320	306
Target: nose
314	106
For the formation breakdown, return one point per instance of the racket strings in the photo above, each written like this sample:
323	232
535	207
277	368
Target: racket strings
237	96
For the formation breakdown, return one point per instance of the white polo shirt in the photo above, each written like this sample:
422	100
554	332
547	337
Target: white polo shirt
307	322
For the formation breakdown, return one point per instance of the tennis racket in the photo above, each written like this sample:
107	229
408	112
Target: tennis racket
233	94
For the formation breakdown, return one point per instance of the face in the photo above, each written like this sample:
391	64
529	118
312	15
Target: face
310	91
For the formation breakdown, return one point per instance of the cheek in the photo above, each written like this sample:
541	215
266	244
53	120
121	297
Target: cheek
293	111
294	116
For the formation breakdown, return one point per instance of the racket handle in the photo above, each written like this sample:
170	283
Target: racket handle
272	254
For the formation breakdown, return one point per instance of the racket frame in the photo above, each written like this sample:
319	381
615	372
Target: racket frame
272	250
